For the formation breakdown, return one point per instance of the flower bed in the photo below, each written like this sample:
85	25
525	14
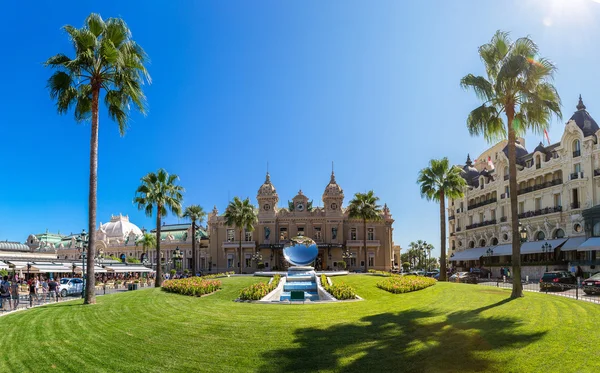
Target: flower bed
259	290
194	286
405	284
339	291
379	273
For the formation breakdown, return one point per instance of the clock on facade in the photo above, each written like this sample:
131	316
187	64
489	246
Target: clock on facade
334	206
300	207
267	206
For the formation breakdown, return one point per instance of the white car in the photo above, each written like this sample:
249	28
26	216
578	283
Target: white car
70	286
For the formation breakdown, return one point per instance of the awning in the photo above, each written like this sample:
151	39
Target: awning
47	267
502	250
19	265
469	254
591	244
573	243
96	269
535	247
124	269
3	265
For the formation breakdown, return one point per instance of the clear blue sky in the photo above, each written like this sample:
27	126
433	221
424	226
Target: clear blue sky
372	86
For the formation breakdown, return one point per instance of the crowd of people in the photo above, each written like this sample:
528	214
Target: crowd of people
36	287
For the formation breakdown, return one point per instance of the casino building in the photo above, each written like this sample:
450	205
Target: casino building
558	204
338	237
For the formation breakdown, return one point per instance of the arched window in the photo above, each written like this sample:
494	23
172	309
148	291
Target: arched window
596	230
494	241
576	148
559	233
123	258
540	236
472	244
505	171
482	243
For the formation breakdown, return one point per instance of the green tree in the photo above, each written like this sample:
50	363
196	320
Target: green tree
242	215
438	182
147	240
519	86
364	207
106	61
196	214
159	190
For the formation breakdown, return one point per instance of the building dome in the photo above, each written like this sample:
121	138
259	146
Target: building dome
470	173
520	150
333	189
267	189
540	148
584	120
119	227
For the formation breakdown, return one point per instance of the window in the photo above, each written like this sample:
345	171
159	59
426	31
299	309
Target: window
596	230
248	236
472	244
502	211
371	259
577	167
493	214
370	234
229	260
283	235
353	260
471	220
576	148
577	228
559	233
540	236
458	223
248	260
317	233
300	231
353	233
557	201
521	207
230	235
538	203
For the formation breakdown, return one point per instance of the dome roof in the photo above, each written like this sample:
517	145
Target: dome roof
470	173
119	227
13	246
521	151
584	120
267	189
540	148
333	189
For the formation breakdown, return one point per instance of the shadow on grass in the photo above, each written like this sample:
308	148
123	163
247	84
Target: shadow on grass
409	341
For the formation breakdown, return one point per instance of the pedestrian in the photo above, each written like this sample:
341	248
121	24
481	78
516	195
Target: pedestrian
508	273
579	272
53	288
32	292
14	292
44	289
4	293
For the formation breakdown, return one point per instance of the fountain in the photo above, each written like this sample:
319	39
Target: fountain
301	280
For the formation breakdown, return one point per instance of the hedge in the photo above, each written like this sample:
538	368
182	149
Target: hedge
339	291
194	286
405	284
259	290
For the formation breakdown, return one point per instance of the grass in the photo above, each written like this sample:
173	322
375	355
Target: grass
444	328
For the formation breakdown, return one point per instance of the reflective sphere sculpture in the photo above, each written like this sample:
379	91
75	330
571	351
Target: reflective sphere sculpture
300	251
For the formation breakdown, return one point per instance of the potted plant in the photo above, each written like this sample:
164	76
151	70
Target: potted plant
173	273
342	265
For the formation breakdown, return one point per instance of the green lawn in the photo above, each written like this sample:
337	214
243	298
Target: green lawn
444	328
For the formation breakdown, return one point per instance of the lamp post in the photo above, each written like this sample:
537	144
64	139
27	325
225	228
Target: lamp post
177	255
28	269
84	243
73	270
489	252
522	232
546	249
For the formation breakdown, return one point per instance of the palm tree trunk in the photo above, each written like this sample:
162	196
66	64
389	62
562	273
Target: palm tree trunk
194	248
90	286
365	245
241	251
158	280
517	289
442	236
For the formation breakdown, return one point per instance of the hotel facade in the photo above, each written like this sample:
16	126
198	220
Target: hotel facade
558	204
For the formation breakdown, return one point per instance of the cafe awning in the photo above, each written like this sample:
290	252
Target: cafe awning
469	254
3	265
591	244
573	243
125	269
96	269
535	247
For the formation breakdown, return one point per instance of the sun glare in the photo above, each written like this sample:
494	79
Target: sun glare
563	12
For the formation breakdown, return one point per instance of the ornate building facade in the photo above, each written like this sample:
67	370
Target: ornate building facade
558	189
339	238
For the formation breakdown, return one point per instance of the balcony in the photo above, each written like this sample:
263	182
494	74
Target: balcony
545	185
506	177
459	210
482	224
483	203
236	244
359	243
503	219
504	195
451	217
576	153
575	205
458	229
544	211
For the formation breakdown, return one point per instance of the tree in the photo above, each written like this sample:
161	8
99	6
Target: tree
241	214
194	213
519	86
364	207
148	241
159	190
438	182
106	60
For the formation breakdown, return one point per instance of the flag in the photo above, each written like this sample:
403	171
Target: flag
547	137
490	163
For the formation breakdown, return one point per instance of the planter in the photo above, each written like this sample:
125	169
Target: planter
132	286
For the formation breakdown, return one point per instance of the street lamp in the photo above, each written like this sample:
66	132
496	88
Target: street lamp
522	232
490	252
73	270
177	255
546	249
84	243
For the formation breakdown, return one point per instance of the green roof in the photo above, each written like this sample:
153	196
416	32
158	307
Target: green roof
177	230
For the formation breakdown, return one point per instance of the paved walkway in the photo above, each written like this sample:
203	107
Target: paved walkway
535	287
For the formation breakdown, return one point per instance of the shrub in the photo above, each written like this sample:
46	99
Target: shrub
133	260
405	284
173	272
341	265
379	273
339	291
259	290
194	286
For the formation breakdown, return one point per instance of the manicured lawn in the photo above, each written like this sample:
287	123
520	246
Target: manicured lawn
444	328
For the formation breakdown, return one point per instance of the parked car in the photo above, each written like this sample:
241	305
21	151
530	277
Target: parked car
465	277
592	285
70	286
481	272
557	280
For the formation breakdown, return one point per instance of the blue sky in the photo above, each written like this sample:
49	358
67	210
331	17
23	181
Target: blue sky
371	86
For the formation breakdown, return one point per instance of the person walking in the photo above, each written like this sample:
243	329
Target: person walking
14	293
5	293
53	289
44	289
32	291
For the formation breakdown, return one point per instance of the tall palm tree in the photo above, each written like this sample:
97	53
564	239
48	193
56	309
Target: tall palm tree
148	241
438	182
364	207
159	190
194	213
518	85
242	215
106	60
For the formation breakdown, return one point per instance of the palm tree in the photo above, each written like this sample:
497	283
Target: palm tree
242	215
106	59
364	207
438	182
194	213
148	241
518	85
159	190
